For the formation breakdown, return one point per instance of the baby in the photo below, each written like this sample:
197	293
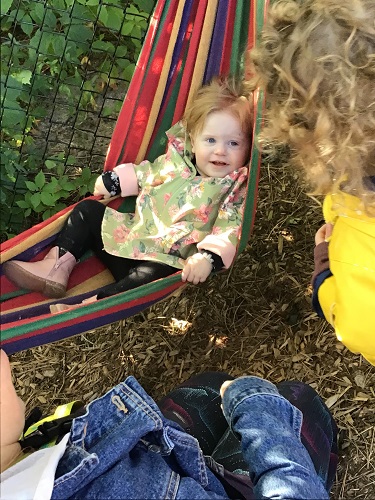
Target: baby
189	205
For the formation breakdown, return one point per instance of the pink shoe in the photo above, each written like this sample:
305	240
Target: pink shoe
49	276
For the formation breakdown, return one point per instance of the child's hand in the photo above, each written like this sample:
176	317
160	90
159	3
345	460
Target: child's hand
323	233
12	415
224	386
100	189
197	269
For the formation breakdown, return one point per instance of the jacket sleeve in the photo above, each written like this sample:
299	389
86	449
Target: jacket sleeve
321	273
321	259
269	428
225	234
127	178
221	245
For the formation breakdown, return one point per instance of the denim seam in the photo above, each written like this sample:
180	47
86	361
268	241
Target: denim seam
172	488
142	405
194	445
81	441
189	442
70	475
202	469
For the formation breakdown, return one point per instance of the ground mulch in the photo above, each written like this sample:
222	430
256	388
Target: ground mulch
254	319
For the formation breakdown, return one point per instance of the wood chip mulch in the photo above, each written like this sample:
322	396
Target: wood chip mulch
254	319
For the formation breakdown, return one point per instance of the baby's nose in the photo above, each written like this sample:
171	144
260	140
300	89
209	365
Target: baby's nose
220	148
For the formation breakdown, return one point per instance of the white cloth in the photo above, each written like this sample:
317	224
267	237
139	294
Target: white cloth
33	477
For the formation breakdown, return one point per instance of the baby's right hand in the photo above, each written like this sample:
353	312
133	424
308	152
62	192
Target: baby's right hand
100	189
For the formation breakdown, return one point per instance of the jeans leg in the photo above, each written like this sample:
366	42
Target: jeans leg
319	430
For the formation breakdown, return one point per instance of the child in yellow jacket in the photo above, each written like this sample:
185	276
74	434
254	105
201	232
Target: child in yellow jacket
316	63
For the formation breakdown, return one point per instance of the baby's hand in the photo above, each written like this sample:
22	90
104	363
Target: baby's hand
323	233
197	269
100	189
224	387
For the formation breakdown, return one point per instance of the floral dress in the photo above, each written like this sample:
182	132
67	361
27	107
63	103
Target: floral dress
177	210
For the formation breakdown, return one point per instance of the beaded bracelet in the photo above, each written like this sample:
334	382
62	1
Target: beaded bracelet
208	257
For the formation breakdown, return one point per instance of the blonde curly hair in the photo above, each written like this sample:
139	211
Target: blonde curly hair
316	62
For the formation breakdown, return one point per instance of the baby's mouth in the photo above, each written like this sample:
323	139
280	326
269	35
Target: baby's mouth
219	163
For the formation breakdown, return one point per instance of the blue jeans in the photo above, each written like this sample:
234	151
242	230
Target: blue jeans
195	405
123	447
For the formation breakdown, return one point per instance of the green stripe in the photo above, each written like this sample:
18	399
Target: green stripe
252	183
57	319
239	41
159	143
128	205
259	17
12	295
158	34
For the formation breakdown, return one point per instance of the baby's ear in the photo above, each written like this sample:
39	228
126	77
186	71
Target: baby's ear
192	143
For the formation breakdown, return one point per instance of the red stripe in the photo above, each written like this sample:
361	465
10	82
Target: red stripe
133	119
125	118
228	38
6	287
30	299
196	24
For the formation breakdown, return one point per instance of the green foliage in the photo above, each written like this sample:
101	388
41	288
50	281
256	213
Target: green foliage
44	196
68	48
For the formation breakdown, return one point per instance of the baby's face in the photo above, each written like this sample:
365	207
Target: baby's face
12	408
221	147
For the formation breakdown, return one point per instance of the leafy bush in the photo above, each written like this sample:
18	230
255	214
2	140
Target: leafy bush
57	49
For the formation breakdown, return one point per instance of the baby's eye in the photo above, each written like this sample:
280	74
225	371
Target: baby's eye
210	140
233	143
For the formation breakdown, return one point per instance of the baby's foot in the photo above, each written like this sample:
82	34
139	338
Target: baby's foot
56	308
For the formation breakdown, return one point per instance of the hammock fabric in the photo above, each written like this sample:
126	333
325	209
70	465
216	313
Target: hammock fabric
187	43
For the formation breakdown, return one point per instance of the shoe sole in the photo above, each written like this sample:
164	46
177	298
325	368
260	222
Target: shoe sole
25	279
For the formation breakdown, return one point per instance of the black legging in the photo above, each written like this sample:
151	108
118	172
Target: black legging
82	232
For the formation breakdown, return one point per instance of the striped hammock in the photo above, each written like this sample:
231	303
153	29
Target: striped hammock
187	43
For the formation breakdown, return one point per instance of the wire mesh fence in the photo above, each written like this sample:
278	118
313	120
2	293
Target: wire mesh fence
66	66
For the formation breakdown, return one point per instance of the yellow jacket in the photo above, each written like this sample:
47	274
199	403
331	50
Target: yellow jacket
347	298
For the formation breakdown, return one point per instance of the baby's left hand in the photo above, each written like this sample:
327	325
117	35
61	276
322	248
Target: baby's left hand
323	233
197	269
